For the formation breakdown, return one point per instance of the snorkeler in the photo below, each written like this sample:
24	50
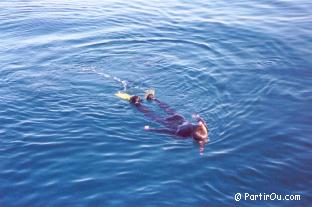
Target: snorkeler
174	124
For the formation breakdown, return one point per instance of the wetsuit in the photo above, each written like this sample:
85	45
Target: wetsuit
175	124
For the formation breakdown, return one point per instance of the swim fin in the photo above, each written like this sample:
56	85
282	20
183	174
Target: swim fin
123	95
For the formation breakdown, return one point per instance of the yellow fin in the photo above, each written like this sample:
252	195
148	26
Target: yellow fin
123	95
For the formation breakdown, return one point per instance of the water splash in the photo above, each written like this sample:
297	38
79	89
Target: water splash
126	84
97	71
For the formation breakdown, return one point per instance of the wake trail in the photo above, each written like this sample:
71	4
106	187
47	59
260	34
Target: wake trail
124	83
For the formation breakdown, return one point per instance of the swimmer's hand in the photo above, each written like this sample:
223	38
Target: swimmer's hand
195	116
146	127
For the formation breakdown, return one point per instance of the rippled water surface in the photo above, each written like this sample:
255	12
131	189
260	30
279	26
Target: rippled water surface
66	140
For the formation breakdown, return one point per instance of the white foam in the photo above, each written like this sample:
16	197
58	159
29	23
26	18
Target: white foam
106	75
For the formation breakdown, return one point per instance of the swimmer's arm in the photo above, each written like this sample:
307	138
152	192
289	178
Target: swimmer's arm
160	130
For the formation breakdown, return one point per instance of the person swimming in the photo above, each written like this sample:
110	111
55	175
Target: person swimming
174	124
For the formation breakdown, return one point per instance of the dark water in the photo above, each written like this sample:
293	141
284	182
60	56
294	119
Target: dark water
66	140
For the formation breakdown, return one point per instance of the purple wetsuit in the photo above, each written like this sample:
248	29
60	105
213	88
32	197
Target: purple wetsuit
175	124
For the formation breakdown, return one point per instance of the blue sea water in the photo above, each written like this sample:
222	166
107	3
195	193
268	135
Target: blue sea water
66	140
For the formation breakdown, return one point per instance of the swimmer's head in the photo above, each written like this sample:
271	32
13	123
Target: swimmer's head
200	132
200	135
136	100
